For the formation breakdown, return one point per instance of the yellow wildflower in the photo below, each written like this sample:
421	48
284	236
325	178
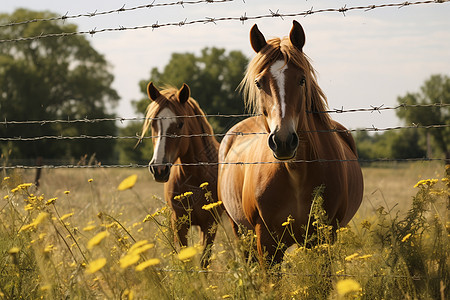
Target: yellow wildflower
426	182
67	192
6	178
187	194
346	286
204	185
14	250
128	183
6	197
14	190
128	294
49	248
95	265
226	296
89	228
90	180
66	216
128	260
147	263
187	253
46	287
23	186
406	237
147	218
211	205
51	201
340	272
342	229
289	220
350	257
142	248
97	239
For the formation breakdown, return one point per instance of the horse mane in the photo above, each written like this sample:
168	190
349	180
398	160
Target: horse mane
168	98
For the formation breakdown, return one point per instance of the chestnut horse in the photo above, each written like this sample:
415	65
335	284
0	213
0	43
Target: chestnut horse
172	114
301	151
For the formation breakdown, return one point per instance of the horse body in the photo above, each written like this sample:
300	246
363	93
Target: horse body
300	152
169	148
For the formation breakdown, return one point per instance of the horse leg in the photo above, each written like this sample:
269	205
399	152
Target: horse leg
270	249
208	233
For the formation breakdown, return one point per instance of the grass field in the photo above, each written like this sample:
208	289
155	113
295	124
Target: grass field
91	243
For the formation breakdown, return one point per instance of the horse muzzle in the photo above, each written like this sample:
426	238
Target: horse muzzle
283	148
160	173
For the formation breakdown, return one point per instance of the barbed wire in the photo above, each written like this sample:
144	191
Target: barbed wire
341	110
200	164
241	18
121	119
236	133
119	10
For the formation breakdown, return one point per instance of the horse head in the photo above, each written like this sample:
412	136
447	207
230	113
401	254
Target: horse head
166	128
281	84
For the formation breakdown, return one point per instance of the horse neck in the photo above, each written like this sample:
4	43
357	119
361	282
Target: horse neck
201	149
316	140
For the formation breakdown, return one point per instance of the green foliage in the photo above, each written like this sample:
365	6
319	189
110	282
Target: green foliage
435	90
391	144
414	142
53	78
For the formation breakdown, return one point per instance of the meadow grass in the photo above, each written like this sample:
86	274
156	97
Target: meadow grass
80	237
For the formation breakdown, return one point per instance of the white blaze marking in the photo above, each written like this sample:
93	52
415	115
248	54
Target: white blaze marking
277	70
163	125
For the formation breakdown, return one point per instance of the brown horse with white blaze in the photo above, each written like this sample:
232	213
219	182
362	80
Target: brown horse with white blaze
182	137
301	151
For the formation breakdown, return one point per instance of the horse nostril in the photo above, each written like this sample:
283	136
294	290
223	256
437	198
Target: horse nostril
272	142
294	141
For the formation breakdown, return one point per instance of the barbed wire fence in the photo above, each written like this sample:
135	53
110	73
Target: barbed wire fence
343	10
277	14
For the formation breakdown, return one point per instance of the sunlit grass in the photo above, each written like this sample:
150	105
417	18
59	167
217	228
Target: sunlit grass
81	237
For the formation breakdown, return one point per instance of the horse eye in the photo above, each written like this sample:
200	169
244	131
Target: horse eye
265	113
258	85
302	82
179	125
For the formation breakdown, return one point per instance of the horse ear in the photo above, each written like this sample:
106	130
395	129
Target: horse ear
152	92
257	39
184	93
297	35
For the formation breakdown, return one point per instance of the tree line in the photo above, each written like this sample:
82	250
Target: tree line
66	78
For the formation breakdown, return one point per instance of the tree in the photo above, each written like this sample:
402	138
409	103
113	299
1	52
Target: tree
213	78
53	78
435	90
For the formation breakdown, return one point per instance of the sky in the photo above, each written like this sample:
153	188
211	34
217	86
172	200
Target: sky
363	58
